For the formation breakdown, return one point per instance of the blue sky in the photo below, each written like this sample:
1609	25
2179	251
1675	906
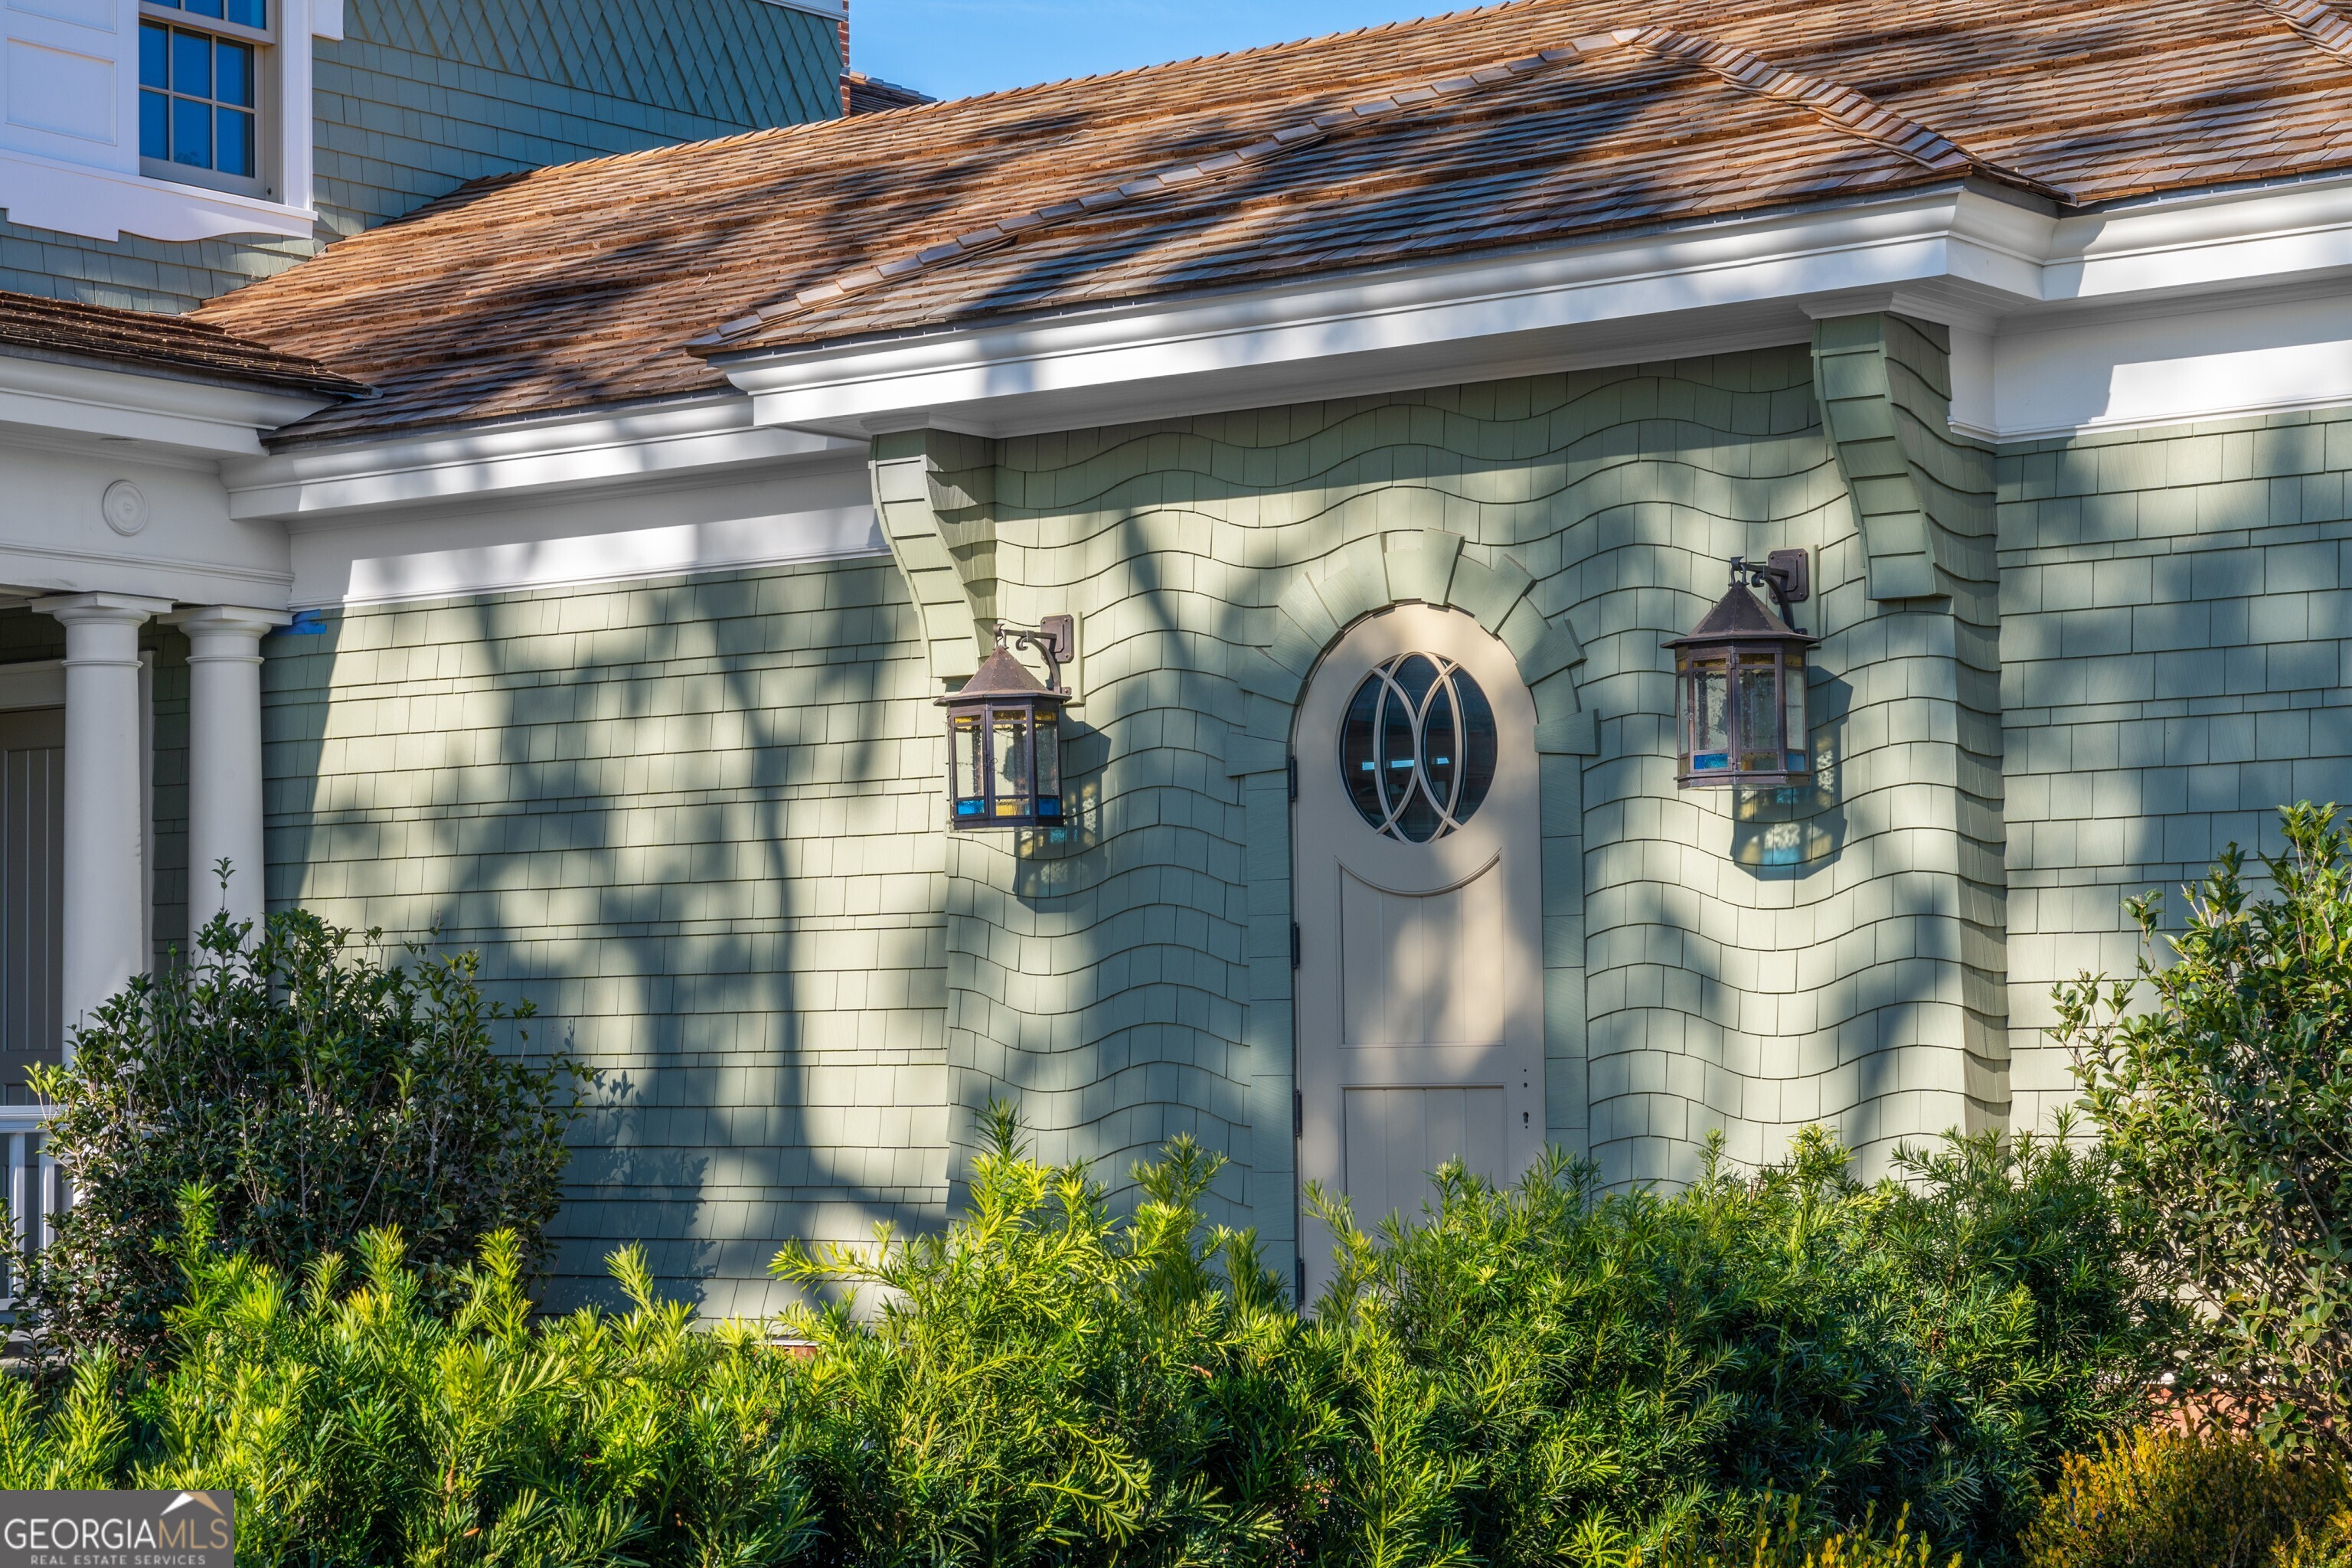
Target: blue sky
950	48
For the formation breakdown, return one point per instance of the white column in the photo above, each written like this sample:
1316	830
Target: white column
224	759
106	902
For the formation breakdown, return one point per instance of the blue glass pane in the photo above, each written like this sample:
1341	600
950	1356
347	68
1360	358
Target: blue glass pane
970	805
233	69
203	7
249	13
155	125
1708	762
154	55
191	133
192	64
235	128
1049	805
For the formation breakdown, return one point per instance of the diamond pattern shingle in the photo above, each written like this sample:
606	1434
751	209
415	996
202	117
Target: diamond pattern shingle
602	282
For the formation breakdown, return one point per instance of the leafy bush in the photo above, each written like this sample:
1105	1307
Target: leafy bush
1757	1369
1781	1543
2165	1498
319	1092
355	1425
1548	1367
1045	1383
2221	1076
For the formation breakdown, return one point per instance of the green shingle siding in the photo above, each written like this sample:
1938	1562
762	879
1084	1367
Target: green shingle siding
699	821
2173	611
693	822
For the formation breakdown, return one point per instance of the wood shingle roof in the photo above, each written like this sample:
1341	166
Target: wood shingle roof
611	281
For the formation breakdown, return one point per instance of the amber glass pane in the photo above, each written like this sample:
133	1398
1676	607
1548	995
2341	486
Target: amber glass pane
1759	715
1793	707
967	769
1709	720
1049	764
1008	750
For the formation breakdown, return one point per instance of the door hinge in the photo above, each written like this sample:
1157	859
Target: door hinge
1300	1274
1297	1113
1294	944
1290	766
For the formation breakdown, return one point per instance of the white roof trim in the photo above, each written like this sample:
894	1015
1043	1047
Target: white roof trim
1967	255
191	414
704	436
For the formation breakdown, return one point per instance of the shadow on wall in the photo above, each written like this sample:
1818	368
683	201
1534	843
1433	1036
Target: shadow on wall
644	804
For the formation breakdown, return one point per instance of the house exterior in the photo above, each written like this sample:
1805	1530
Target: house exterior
1447	366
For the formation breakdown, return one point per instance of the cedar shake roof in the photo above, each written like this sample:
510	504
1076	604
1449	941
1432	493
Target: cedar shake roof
144	341
610	281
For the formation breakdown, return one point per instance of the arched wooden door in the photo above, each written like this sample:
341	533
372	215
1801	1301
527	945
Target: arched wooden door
1417	879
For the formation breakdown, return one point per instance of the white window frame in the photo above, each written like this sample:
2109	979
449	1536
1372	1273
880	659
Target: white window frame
268	111
104	192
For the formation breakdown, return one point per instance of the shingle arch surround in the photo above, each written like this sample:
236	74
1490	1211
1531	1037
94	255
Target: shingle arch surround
1424	566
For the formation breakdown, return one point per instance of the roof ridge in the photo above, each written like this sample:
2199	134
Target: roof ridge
1004	231
2318	23
1839	106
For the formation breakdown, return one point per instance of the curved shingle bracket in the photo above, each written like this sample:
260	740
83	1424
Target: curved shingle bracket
935	495
1923	498
1413	566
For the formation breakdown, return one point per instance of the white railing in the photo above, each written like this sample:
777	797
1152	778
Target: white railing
35	1190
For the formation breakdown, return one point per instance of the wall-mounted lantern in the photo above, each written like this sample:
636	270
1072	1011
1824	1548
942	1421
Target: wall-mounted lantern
1004	734
1739	682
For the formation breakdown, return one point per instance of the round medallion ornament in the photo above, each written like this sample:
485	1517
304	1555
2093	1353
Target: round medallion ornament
1417	747
125	508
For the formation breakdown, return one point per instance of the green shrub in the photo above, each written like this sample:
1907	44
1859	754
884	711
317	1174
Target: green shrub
319	1092
2164	1499
1782	1543
356	1425
2222	1078
1546	1365
1543	1374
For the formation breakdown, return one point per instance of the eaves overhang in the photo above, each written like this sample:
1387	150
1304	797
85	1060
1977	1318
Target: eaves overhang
1967	253
176	412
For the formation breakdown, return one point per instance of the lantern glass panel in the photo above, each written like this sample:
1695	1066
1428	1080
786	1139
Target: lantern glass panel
1008	748
1793	707
967	767
1711	716
1758	719
1049	764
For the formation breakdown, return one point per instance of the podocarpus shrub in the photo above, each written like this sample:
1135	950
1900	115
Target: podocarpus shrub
1549	1368
1538	1375
2168	1498
320	1091
2221	1076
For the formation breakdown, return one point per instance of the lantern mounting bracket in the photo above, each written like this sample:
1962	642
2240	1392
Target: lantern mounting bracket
1786	574
1055	638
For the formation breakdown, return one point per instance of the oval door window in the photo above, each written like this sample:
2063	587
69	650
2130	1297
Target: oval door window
1417	747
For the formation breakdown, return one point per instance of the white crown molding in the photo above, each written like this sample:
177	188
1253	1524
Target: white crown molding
705	436
1977	259
205	417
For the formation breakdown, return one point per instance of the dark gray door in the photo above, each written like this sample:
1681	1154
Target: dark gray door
32	891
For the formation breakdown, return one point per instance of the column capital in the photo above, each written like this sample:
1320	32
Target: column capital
233	619
120	609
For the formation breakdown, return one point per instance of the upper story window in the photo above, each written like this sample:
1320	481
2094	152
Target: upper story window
202	80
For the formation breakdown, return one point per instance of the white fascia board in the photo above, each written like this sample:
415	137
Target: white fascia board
106	204
2177	245
522	458
1968	256
1740	279
326	18
201	416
